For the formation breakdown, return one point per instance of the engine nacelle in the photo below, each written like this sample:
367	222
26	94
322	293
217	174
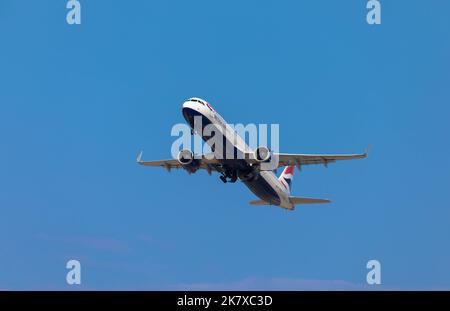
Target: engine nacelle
186	159
262	154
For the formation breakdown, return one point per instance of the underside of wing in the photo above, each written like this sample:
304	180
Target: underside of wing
302	200
286	159
163	163
204	162
259	202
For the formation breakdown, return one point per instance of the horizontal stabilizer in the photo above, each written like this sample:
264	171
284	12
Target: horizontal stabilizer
259	202
301	200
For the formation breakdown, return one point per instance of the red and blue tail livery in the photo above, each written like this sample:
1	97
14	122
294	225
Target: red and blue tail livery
286	177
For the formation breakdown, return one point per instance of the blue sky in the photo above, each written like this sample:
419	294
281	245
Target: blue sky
77	103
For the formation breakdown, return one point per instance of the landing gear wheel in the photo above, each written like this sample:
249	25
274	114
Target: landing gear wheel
233	177
224	179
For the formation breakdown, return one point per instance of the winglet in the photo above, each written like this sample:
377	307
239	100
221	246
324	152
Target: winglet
366	152
139	158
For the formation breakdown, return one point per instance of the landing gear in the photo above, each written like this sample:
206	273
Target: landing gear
229	176
249	175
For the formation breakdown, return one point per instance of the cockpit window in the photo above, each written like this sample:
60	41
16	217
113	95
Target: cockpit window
197	101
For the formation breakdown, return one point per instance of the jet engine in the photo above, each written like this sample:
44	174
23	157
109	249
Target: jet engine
262	154
186	159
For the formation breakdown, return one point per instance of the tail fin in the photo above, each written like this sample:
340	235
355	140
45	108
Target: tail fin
286	177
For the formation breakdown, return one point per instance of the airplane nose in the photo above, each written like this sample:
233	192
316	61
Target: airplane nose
194	103
188	104
189	112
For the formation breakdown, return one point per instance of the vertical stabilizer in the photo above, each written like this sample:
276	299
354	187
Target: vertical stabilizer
286	177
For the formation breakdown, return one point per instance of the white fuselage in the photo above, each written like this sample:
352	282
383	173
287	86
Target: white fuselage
266	185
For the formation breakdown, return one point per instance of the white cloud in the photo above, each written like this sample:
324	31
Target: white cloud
253	283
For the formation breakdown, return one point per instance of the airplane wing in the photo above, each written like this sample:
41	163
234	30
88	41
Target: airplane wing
209	163
302	200
259	202
286	159
206	163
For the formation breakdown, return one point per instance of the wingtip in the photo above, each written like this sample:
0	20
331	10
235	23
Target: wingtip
139	157
366	152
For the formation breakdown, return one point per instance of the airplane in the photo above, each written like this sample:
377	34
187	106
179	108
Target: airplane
270	189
